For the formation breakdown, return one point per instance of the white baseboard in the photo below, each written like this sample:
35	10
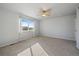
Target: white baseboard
60	37
13	42
9	43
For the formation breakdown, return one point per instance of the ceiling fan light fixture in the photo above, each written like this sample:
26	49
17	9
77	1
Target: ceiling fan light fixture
45	13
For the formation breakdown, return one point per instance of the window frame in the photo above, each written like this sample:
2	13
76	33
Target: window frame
20	27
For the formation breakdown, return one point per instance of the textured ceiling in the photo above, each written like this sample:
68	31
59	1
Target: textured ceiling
32	9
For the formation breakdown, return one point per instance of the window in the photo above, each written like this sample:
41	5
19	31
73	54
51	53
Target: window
26	24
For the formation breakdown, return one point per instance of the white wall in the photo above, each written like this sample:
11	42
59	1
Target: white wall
59	27
9	28
37	27
77	29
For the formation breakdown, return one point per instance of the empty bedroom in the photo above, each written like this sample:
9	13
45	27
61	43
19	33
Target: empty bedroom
39	29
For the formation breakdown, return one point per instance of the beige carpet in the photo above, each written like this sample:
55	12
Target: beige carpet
41	46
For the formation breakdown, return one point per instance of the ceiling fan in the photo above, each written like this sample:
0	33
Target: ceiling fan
45	12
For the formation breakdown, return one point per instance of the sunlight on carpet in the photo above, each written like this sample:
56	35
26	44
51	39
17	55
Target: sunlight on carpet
34	50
